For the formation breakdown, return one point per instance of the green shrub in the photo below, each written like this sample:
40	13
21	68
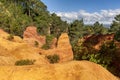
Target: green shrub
117	36
10	37
36	44
49	39
24	62
53	58
106	56
45	46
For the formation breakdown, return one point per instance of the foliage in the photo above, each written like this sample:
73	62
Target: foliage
115	26
10	37
36	43
117	35
24	62
88	30
16	15
45	46
53	58
12	18
99	28
76	30
78	50
110	57
105	56
57	26
49	39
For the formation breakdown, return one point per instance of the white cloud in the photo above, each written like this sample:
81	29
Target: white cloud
103	16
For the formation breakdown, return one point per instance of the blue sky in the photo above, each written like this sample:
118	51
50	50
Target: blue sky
75	5
103	11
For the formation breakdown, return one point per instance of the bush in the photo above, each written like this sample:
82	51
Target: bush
10	37
24	62
36	44
49	39
53	58
117	36
45	46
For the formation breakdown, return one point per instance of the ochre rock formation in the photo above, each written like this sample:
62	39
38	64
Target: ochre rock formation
74	70
17	49
30	36
63	41
98	40
63	49
53	43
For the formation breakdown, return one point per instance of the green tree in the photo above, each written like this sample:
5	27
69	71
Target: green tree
79	50
16	15
117	35
12	19
115	25
43	23
99	28
57	26
88	30
76	30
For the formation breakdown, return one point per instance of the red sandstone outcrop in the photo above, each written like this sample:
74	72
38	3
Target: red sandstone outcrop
17	49
30	36
63	49
98	40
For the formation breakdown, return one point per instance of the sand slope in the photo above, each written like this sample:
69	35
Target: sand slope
74	70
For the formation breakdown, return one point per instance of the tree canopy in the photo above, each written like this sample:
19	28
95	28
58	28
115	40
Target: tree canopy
116	24
16	15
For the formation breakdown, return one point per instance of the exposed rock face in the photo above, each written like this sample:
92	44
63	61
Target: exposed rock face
10	52
82	70
97	40
17	49
54	43
30	36
63	49
63	41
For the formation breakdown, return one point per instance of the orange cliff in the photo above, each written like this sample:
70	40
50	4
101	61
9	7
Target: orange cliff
17	49
63	49
98	40
30	35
